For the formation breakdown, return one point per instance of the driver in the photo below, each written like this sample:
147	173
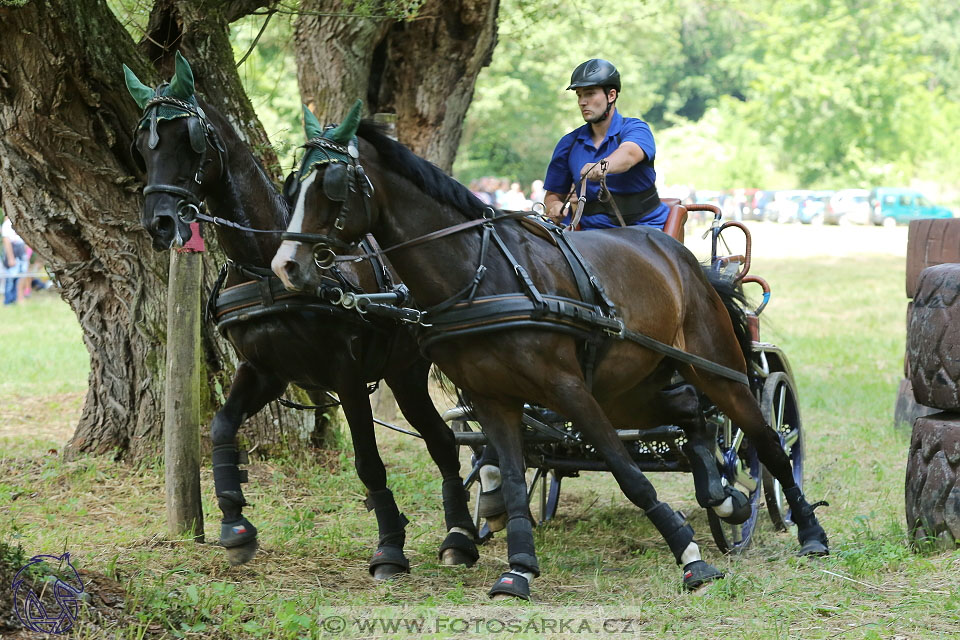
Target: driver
626	144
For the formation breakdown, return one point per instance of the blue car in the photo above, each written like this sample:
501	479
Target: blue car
891	207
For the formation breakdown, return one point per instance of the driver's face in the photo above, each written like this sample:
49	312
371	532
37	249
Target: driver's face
592	102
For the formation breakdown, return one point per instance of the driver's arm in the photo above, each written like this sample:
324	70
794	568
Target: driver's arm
553	204
622	159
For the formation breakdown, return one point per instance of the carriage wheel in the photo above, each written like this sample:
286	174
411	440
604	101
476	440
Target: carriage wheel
740	468
779	404
543	494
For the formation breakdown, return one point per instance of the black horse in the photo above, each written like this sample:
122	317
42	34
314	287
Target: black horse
192	155
652	299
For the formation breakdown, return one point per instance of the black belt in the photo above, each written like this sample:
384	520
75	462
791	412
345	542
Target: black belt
633	206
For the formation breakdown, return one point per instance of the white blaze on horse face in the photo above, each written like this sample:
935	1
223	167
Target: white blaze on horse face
296	223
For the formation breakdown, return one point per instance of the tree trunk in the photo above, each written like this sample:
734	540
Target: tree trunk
72	193
424	69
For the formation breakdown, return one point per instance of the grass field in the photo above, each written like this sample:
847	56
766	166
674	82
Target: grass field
838	311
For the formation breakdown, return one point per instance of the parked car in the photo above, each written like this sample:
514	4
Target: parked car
848	206
812	208
890	206
761	198
786	205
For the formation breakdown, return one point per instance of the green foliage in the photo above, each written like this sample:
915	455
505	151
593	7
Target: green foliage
831	93
269	76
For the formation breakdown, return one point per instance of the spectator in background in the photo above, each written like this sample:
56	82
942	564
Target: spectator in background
536	191
514	200
15	261
477	190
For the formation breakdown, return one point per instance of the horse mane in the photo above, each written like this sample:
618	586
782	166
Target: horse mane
425	175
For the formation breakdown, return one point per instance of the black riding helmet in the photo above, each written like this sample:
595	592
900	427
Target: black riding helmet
595	72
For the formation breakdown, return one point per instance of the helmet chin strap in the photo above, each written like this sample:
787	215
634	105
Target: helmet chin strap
603	116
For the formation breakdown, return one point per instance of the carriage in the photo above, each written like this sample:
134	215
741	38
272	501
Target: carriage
554	450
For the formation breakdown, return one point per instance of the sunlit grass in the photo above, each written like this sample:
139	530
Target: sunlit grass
839	319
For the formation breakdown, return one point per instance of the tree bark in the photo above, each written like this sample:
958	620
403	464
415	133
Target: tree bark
424	70
72	193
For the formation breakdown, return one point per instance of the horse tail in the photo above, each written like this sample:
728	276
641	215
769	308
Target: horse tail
736	305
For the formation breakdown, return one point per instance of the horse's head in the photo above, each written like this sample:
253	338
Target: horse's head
176	147
332	200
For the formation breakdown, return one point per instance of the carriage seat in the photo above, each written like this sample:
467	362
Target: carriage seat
675	219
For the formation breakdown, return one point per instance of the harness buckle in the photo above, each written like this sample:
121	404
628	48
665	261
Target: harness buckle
616	332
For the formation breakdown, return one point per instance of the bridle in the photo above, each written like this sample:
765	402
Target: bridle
202	134
343	175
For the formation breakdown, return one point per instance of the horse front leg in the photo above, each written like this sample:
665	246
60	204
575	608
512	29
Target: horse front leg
410	390
501	422
388	560
250	391
572	399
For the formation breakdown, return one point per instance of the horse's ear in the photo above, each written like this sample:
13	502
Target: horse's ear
181	86
311	126
347	129
141	93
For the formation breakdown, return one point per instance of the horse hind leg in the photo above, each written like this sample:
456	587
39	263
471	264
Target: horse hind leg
250	391
680	405
736	400
574	401
410	390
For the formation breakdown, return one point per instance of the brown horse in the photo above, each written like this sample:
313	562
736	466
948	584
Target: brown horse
437	234
192	156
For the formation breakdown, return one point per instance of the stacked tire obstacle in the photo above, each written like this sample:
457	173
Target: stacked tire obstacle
929	398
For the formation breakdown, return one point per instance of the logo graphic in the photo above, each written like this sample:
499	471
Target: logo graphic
28	605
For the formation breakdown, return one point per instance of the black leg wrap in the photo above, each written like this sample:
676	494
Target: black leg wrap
237	533
390	522
741	507
698	573
463	544
812	537
511	584
389	554
522	555
706	478
672	527
227	478
455	510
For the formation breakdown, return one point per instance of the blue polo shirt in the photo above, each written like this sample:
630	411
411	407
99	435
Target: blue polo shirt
576	149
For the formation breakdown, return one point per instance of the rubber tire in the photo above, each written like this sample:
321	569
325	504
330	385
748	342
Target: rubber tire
933	338
932	489
786	421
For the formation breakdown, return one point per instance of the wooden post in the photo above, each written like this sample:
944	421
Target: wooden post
181	425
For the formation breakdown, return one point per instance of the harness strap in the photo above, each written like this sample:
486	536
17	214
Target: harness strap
470	290
566	315
522	274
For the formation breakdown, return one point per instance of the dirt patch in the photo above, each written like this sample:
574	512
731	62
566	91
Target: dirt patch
52	417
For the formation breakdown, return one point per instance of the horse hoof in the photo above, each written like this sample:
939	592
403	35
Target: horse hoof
243	553
698	574
813	548
497	522
510	585
387	571
456	557
742	510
